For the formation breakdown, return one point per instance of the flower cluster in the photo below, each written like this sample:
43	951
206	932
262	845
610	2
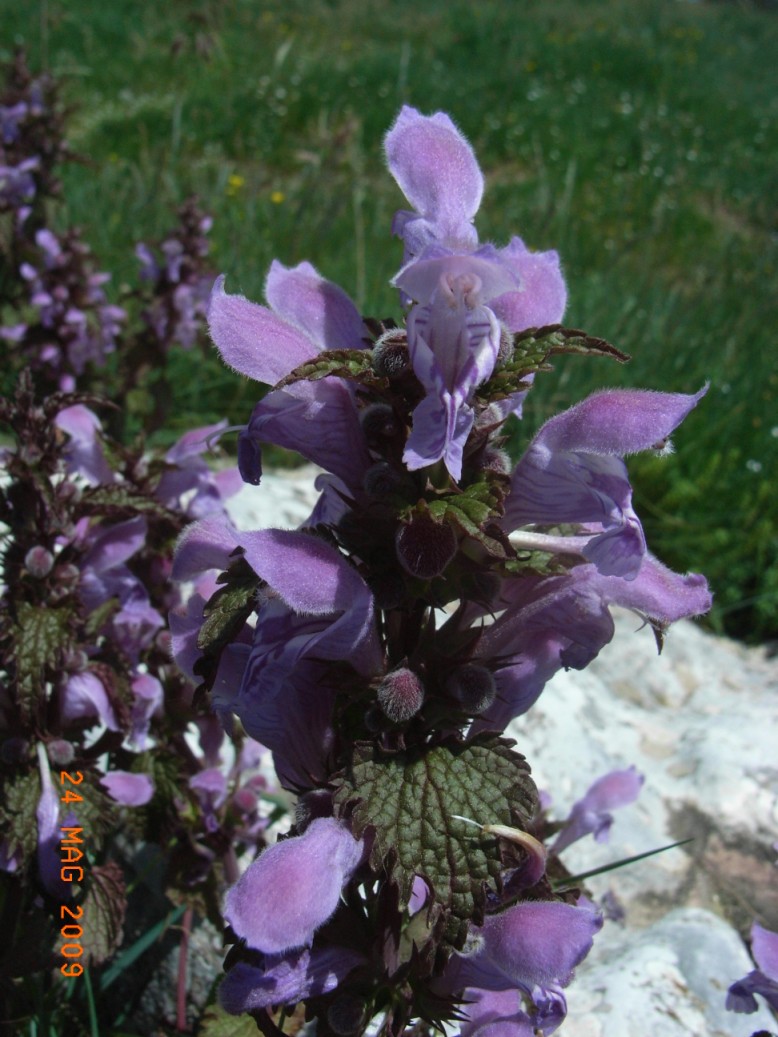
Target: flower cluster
180	283
381	649
88	686
31	143
69	323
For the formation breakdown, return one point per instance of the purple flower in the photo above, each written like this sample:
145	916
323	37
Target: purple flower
533	948
438	173
189	485
105	575
84	698
84	453
573	472
323	611
307	314
453	335
47	819
286	979
546	622
131	790
761	980
293	887
591	814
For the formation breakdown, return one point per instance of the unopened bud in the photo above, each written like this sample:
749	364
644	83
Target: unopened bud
425	547
380	425
495	460
39	562
346	1014
473	686
400	695
60	752
383	480
390	354
14	750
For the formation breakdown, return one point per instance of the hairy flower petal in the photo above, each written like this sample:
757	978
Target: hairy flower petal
293	887
438	173
131	790
253	340
320	308
542	294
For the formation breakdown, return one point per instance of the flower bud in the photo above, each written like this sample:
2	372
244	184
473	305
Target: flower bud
425	547
495	460
473	686
14	750
390	354
400	695
383	480
39	562
346	1014
61	753
380	425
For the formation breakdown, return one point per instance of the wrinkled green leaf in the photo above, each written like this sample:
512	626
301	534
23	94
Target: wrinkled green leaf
20	797
532	349
229	608
409	798
353	364
41	637
117	500
104	908
98	618
471	511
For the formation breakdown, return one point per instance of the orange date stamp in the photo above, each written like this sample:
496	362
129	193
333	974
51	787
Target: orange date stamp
71	870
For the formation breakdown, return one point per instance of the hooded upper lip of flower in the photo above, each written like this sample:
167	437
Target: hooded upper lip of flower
307	314
453	335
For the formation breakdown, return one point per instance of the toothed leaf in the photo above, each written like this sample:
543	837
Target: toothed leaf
352	364
409	799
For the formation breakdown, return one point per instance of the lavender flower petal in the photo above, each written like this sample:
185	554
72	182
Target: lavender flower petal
542	296
131	790
287	979
253	340
591	814
438	173
293	887
319	308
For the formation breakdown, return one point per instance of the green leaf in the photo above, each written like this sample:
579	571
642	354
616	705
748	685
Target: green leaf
229	608
98	617
470	511
356	365
104	908
117	500
531	351
20	798
41	636
218	1023
409	798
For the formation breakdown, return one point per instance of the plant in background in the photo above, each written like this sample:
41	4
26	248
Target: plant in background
103	747
380	650
55	314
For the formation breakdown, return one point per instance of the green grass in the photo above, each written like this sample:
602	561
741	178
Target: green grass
638	137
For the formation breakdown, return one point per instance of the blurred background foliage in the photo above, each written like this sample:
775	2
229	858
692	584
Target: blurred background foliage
637	137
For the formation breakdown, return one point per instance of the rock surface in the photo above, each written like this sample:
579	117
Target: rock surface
698	722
